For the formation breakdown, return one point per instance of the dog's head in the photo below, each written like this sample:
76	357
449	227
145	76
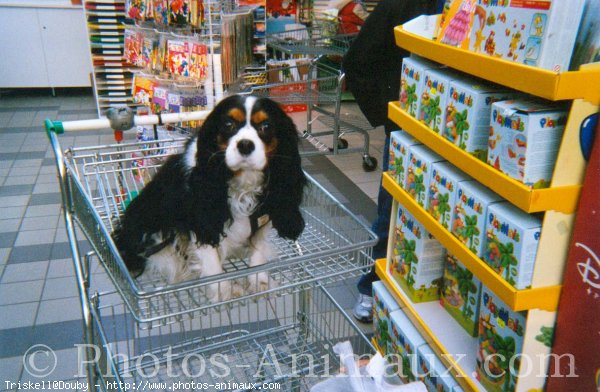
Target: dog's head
251	133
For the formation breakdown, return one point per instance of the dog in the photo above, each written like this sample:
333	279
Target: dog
237	178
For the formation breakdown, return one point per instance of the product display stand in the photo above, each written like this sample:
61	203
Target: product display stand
558	202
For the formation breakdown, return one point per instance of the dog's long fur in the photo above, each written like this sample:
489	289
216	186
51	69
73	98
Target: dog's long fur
195	212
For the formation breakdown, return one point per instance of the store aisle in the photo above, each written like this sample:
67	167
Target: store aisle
38	295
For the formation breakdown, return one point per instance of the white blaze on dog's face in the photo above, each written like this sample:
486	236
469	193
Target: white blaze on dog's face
247	137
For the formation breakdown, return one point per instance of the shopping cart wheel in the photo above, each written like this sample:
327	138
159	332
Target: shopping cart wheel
369	163
342	144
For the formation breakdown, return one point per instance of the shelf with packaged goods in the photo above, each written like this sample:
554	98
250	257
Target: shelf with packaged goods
532	80
545	298
453	346
562	198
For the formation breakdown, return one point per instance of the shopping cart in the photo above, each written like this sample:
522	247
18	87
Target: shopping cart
147	322
318	86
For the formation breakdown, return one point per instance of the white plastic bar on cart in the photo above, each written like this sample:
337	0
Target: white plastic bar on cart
103	122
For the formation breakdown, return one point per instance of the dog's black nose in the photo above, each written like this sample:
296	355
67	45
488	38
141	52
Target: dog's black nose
245	147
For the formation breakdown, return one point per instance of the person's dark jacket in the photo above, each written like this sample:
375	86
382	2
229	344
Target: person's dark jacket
373	62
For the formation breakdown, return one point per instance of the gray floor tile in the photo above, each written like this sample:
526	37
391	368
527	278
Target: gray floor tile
19	315
21	180
4	252
35	270
8	225
57	288
10	370
61	268
28	163
9	188
14	201
67	364
24	171
35	237
39	223
30	253
45	198
51	187
42	210
70	309
21	292
13	212
7	239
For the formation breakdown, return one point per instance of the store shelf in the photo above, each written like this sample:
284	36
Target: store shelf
544	298
455	348
562	199
537	81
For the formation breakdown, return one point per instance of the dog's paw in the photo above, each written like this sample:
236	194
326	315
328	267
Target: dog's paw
219	292
260	282
239	288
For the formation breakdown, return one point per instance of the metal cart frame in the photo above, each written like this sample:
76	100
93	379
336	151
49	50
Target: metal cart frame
95	183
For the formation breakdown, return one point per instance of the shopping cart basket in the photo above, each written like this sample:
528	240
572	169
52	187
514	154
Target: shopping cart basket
318	86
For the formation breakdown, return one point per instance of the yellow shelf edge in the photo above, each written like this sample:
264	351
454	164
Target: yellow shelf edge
544	298
438	347
562	199
541	82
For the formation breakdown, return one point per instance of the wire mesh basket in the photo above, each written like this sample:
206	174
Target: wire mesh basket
283	343
103	179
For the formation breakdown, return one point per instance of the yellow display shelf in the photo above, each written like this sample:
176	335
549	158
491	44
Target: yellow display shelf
453	346
544	298
562	199
536	81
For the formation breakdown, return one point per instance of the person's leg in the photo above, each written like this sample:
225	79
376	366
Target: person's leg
364	306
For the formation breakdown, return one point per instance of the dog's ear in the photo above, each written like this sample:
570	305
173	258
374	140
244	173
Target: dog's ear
286	180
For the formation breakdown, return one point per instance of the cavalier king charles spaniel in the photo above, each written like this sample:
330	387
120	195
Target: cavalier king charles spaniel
237	178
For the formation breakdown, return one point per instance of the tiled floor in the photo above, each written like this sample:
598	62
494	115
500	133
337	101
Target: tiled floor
38	297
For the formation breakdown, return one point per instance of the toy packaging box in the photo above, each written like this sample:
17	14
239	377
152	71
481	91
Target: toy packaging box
468	114
432	372
441	197
460	294
417	264
470	212
400	143
412	81
405	342
524	139
511	241
501	333
434	97
418	172
540	33
383	305
587	43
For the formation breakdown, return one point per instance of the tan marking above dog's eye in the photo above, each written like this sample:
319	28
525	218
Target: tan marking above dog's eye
259	117
237	114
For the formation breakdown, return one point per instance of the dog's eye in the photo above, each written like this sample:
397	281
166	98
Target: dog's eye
263	128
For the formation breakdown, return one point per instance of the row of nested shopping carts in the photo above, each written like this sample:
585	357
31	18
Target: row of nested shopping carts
144	330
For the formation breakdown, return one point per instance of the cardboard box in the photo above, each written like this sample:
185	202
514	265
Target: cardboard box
501	334
539	33
442	191
400	143
383	305
470	213
434	97
512	239
412	81
460	294
524	139
468	112
417	264
418	172
405	342
432	372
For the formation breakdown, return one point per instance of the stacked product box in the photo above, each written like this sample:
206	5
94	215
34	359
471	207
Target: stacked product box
470	213
501	332
432	372
539	33
468	113
512	239
524	139
383	305
405	342
418	172
400	143
442	191
461	294
412	81
417	264
434	97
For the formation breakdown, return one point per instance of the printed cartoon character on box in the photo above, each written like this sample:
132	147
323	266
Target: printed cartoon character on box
398	265
408	91
496	352
457	287
430	107
414	178
467	230
439	206
393	167
407	250
382	333
404	349
456	122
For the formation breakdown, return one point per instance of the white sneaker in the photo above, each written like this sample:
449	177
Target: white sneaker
363	310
